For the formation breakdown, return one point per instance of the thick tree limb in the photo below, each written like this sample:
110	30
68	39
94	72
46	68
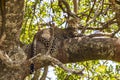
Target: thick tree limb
83	49
79	49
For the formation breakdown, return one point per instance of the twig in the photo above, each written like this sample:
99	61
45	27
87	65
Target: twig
91	11
2	38
98	35
68	11
56	62
60	64
44	73
97	13
36	75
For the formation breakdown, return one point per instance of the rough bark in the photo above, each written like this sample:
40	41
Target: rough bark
11	16
82	49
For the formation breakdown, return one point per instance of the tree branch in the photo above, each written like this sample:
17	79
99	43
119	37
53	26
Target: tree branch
44	75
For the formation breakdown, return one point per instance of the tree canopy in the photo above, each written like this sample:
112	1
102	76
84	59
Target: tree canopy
79	38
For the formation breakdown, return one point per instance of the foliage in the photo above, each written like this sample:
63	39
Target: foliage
38	14
93	70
